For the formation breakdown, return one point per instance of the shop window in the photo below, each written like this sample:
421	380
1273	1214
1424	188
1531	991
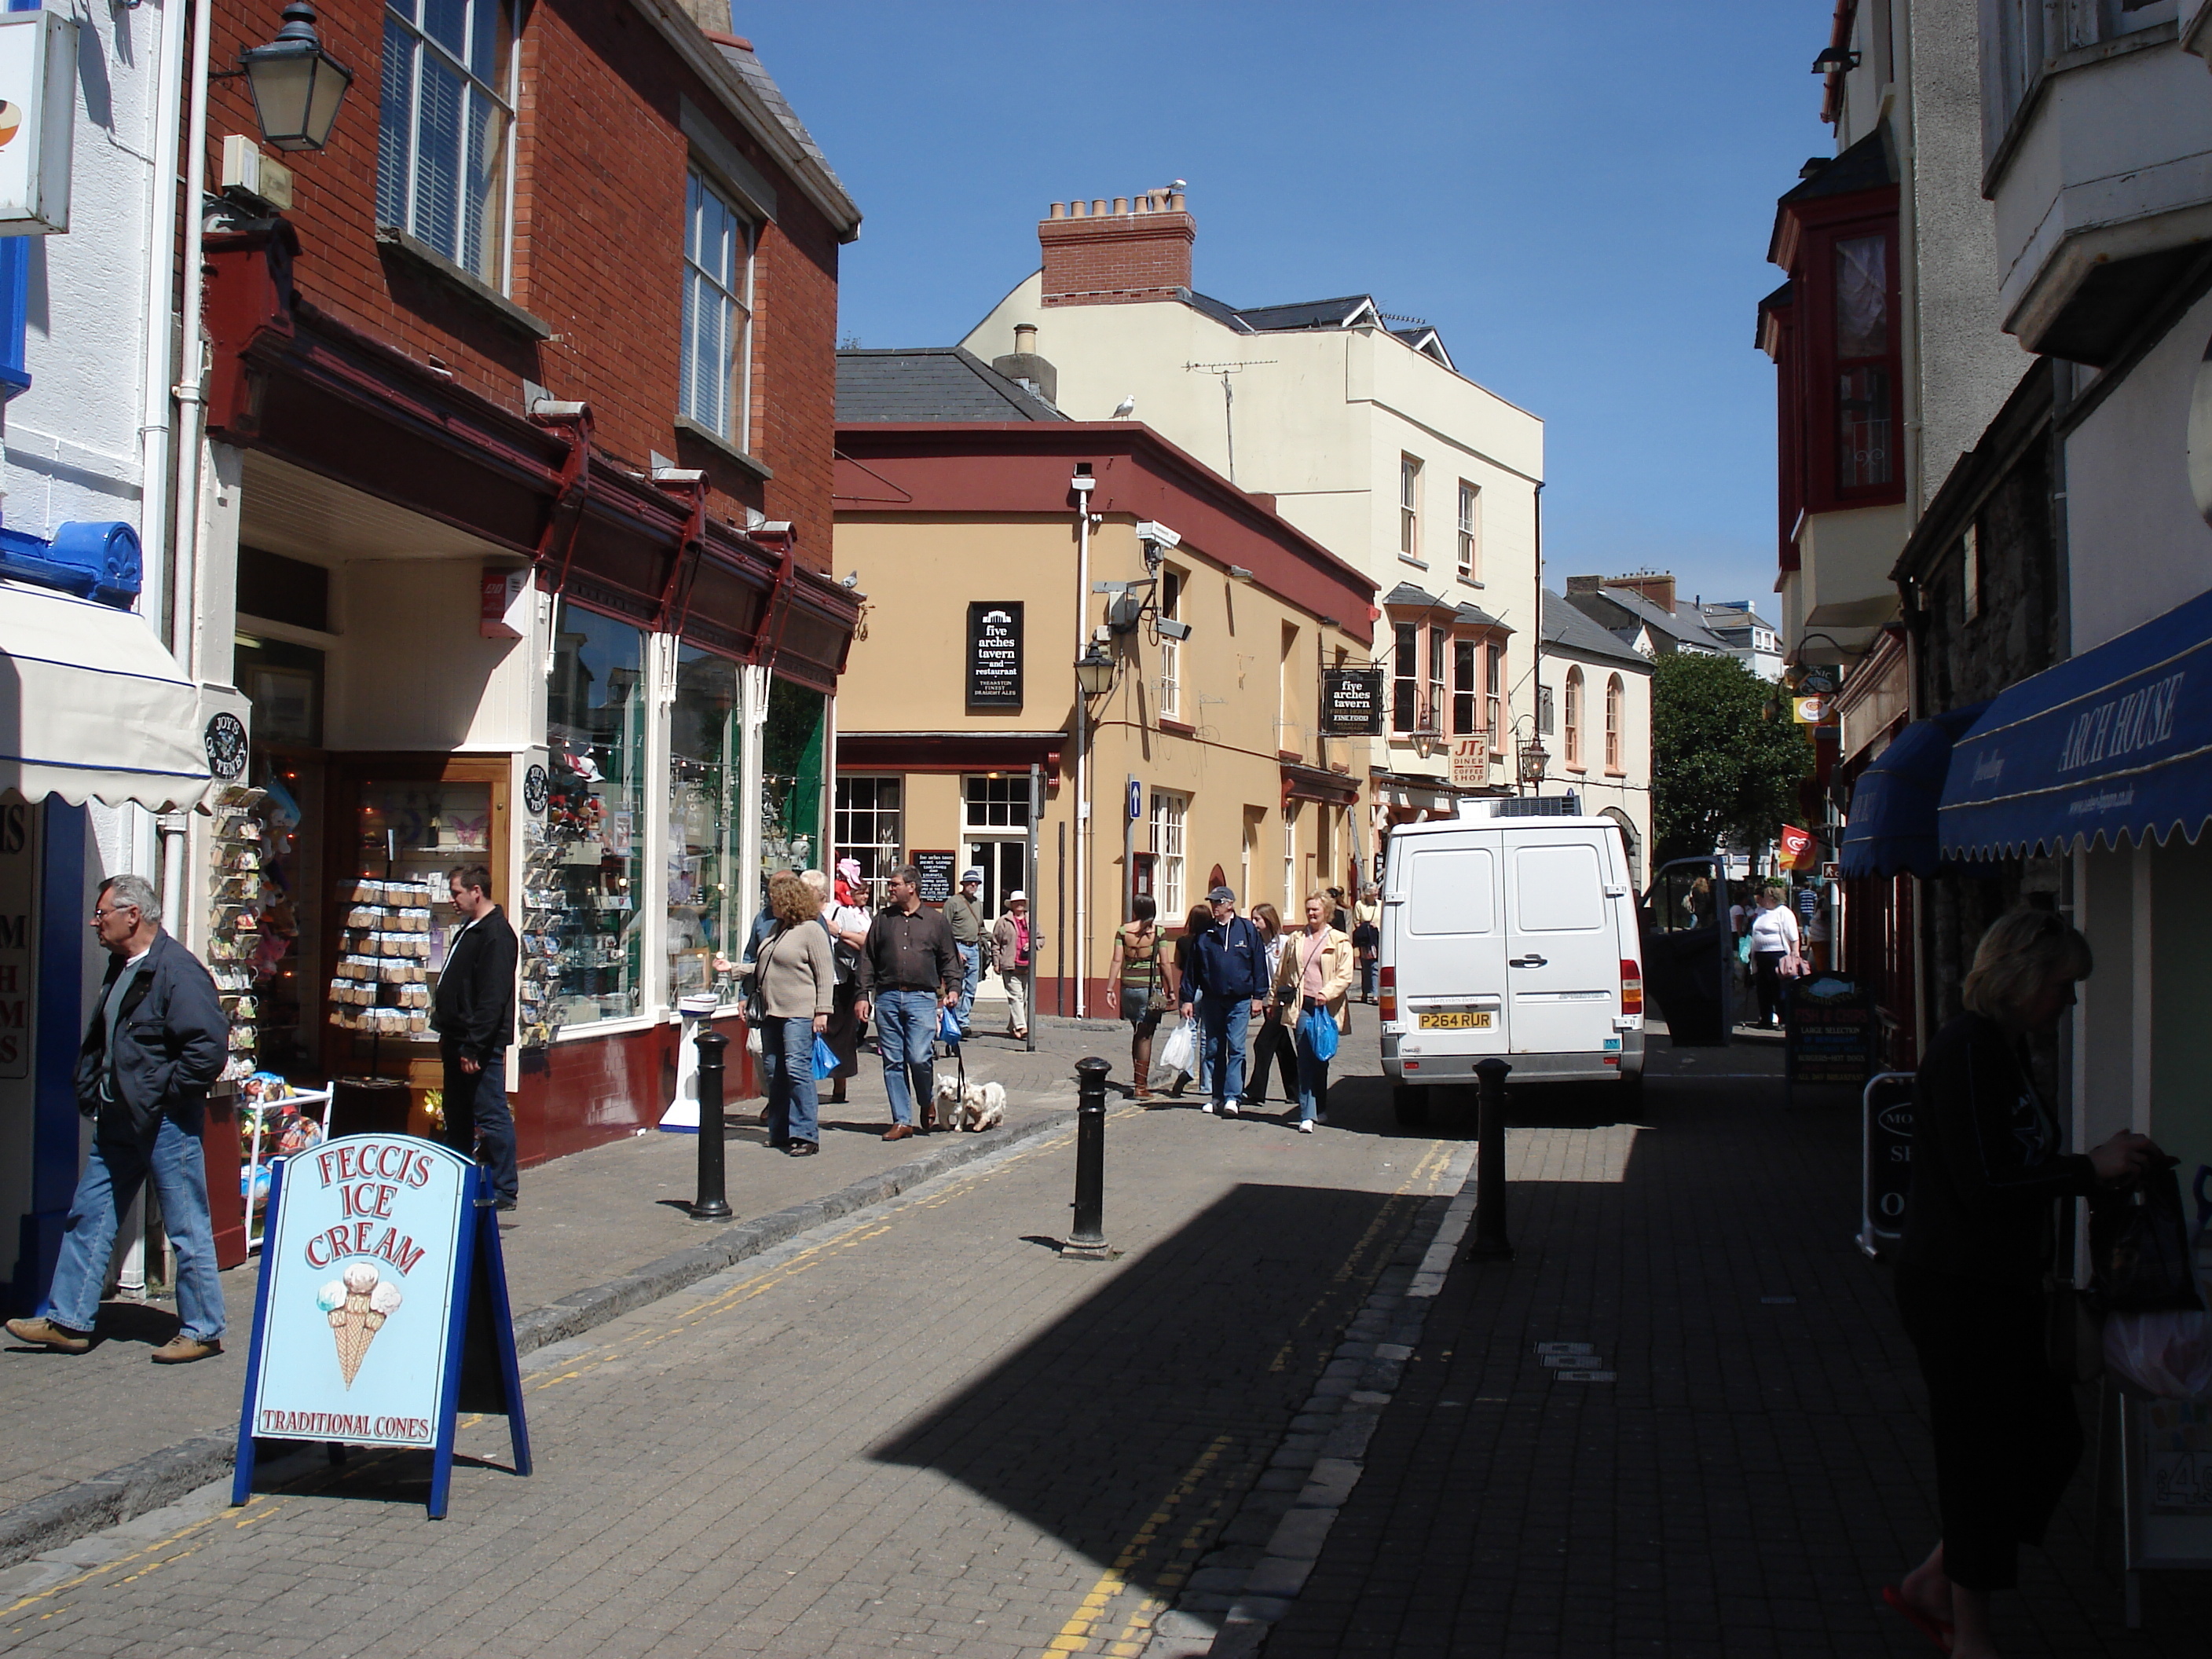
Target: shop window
1409	509
716	389
1614	693
871	826
999	801
1405	677
791	776
1470	531
1493	696
1463	697
397	920
706	915
1574	717
593	869
1167	833
1863	426
446	124
285	683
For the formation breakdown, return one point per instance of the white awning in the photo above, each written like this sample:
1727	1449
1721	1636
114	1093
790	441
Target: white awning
93	708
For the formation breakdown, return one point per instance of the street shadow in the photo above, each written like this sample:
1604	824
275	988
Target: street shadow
1164	1391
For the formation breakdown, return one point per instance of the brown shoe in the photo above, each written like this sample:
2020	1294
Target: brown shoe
45	1333
899	1131
182	1350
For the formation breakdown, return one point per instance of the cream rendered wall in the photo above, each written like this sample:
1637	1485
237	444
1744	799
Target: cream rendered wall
414	673
1630	793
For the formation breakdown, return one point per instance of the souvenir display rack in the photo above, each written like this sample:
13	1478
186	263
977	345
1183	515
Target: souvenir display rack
545	900
274	1121
234	940
577	902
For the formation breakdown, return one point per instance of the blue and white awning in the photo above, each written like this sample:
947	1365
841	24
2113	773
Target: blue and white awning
2108	748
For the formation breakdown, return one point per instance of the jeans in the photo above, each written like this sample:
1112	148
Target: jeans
906	1037
1313	1080
1224	1023
971	958
477	1123
1367	965
111	1180
788	1063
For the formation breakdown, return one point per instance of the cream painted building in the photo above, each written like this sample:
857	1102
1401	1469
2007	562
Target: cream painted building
1593	714
960	725
1355	425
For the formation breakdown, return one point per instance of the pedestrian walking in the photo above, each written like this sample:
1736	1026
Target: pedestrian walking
1229	967
1313	977
1196	927
908	971
1773	939
1367	938
795	974
1979	1243
1272	1043
1338	917
849	931
1143	989
963	913
472	1012
1011	943
157	1038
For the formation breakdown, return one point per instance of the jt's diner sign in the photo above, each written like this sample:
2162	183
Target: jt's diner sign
359	1270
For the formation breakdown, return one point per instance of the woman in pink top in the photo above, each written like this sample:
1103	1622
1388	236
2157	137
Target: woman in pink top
1315	973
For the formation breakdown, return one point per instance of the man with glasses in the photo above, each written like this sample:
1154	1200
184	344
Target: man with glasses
156	1040
909	968
472	1012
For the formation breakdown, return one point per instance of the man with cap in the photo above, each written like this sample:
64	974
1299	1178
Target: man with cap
1230	967
1011	943
964	911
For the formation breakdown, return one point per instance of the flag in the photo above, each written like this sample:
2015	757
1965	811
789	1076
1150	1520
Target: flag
1796	847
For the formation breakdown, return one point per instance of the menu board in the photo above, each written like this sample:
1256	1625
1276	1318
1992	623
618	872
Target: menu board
936	869
1831	1038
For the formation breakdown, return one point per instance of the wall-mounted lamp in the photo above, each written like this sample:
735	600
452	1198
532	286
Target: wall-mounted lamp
1834	58
1094	670
297	86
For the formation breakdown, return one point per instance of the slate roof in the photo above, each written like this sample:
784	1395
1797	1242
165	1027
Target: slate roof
1476	616
1867	165
1406	593
1682	625
749	68
1565	629
1306	316
932	383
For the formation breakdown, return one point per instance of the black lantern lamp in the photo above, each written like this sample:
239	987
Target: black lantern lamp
1094	670
297	86
1836	60
1534	760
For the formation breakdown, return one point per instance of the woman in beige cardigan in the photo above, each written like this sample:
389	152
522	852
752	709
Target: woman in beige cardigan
797	978
1316	972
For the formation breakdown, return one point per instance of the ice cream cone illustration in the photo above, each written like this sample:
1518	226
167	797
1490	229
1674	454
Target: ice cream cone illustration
356	1305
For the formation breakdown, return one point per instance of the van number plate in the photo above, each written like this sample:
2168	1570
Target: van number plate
1455	1020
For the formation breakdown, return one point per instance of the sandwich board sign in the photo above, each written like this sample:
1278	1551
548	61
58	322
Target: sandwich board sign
382	1311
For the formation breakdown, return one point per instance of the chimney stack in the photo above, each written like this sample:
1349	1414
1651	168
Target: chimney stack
1134	248
1657	586
1024	365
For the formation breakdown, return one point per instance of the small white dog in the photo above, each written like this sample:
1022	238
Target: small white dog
978	1106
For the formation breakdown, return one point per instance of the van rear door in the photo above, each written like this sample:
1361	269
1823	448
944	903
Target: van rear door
1562	960
1450	955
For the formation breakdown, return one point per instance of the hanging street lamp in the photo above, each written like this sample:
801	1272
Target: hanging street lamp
297	85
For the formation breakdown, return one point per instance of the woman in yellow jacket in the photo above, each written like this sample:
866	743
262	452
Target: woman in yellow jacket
1315	973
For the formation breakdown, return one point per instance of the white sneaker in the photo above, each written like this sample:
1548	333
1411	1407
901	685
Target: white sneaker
1229	1108
1305	1125
1207	1108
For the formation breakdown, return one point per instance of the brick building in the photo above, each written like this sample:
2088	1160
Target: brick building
513	520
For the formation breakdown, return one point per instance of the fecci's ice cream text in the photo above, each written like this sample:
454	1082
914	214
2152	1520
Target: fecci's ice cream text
369	1174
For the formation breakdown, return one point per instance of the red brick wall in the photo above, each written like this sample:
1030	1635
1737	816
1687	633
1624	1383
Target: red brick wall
1117	258
599	165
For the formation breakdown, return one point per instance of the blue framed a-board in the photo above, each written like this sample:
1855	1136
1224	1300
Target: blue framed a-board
382	1313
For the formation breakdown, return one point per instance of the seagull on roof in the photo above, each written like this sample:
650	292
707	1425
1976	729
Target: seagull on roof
1126	408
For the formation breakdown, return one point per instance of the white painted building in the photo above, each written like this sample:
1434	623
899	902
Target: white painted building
1593	714
1360	430
1751	639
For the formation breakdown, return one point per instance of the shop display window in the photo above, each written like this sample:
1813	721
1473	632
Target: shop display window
705	740
581	887
791	777
395	916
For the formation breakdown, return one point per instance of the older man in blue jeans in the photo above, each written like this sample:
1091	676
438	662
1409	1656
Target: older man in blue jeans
909	968
157	1039
1229	967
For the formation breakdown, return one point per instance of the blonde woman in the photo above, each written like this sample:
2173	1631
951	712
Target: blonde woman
798	976
1979	1241
1314	973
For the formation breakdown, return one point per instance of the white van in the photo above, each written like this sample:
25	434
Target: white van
1509	935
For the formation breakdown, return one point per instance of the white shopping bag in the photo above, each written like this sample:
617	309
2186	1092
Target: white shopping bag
1179	1053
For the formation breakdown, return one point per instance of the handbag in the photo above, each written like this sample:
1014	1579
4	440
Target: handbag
1317	1026
2139	1251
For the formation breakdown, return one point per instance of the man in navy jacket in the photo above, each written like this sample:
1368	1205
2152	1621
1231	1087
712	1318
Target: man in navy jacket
1230	966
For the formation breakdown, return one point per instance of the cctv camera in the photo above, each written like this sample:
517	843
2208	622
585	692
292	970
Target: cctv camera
1172	630
1157	534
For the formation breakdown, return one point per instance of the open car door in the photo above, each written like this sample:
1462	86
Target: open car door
1688	952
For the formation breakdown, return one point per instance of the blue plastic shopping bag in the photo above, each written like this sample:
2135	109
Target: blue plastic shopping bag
825	1057
948	1027
1318	1027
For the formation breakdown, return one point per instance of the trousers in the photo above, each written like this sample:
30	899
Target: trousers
112	1178
477	1122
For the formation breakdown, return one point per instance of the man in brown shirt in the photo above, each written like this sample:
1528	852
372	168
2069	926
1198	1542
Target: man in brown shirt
909	968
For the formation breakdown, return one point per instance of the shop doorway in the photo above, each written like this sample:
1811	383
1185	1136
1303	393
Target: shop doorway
1002	862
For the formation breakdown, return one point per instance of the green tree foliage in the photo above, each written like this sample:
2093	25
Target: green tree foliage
1726	757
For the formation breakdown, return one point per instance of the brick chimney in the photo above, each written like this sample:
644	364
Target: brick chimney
1584	584
1101	254
1658	587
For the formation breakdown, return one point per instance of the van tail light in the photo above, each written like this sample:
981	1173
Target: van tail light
1632	987
1387	983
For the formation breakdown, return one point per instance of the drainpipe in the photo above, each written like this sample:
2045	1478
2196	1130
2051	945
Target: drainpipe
1083	483
161	341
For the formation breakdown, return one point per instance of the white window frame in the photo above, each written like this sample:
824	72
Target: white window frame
1014	787
1616	694
1572	714
1409	510
1169	820
841	815
1171	586
733	295
502	96
1470	531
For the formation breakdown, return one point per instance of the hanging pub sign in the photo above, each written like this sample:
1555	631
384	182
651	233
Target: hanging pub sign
382	1311
1352	703
995	654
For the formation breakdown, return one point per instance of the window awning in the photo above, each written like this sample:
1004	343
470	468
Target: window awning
1890	829
2109	747
92	707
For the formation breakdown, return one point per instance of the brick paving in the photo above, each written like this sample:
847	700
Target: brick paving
922	1431
584	1220
1760	1468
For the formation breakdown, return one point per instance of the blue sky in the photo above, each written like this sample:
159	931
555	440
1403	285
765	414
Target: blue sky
1577	195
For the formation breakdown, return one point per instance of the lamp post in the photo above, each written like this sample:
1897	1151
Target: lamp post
297	86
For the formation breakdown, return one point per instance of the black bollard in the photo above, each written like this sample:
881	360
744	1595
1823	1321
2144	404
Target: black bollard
711	1204
1491	1244
1089	1239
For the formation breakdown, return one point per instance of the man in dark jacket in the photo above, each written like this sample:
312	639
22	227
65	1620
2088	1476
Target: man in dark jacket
1230	965
473	1013
909	968
157	1038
